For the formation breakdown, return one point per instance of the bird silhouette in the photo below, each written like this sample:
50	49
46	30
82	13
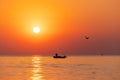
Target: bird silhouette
86	37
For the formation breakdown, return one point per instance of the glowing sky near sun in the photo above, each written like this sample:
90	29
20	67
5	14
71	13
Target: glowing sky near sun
63	25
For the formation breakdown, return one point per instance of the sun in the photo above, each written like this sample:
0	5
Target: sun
36	29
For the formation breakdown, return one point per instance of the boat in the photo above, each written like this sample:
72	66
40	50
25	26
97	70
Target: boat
59	56
56	56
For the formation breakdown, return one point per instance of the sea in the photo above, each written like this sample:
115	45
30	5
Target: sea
70	68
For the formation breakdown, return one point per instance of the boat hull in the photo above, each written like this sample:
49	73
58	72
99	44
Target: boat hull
59	56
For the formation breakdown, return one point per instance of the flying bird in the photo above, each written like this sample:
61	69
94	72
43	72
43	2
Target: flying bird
86	37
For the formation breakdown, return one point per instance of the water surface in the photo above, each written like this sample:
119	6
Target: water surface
71	68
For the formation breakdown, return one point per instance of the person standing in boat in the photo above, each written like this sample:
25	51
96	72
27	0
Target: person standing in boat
56	54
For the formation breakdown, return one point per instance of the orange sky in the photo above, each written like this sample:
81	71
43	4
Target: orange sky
63	23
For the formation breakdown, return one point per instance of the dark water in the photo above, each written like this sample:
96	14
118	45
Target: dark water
71	68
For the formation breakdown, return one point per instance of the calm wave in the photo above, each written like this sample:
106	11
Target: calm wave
71	68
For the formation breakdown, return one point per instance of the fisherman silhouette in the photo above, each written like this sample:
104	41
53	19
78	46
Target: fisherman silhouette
56	54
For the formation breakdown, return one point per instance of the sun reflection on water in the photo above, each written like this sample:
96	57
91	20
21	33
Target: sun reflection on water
36	71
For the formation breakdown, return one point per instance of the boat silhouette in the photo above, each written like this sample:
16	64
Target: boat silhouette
56	56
